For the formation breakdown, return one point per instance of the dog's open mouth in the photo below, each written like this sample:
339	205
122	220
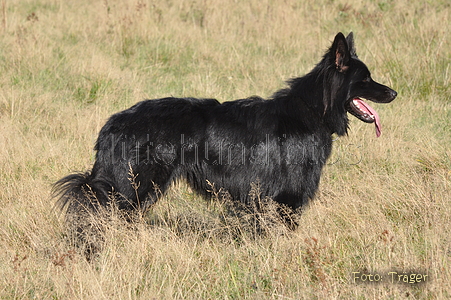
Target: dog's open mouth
359	108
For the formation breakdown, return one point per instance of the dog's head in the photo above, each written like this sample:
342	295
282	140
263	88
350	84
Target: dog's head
355	84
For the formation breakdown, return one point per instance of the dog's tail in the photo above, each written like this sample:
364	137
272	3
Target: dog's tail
82	192
85	198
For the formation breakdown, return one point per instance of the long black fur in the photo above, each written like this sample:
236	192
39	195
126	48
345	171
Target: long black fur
282	142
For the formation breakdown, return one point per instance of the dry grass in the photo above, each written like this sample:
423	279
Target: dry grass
383	204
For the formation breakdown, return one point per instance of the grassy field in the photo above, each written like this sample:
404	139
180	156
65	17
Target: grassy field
383	204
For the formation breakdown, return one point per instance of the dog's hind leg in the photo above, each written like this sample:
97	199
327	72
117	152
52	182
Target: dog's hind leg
290	204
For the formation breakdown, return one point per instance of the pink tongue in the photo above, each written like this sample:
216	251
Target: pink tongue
369	110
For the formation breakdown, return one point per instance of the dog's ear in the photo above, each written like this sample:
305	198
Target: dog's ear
350	40
340	52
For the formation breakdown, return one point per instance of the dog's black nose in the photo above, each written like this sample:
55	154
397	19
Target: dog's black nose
393	94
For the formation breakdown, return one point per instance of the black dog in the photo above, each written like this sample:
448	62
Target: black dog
282	143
